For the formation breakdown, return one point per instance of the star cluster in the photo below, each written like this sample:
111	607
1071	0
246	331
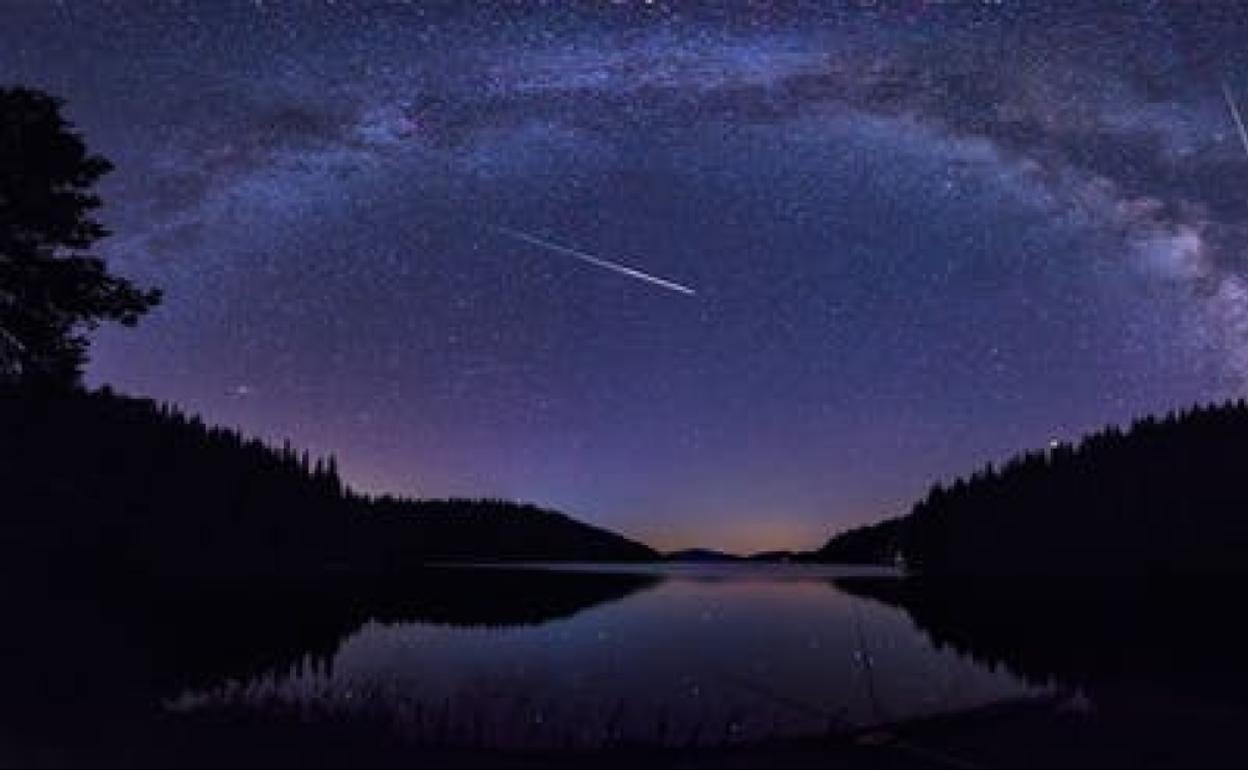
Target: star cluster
922	236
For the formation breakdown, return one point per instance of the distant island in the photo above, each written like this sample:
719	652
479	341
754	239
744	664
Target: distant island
1166	496
701	555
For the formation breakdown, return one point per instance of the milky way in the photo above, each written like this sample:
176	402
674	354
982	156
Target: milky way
922	237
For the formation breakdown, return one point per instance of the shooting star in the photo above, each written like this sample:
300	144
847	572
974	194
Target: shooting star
1239	119
615	267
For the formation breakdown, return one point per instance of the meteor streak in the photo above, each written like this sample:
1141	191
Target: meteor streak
1239	119
615	267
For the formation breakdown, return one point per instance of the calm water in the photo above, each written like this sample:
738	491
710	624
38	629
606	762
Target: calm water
689	653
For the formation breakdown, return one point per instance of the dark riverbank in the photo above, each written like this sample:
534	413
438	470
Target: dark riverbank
1050	732
1158	663
1182	639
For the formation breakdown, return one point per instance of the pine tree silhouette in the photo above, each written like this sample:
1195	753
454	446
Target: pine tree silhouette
1167	496
53	292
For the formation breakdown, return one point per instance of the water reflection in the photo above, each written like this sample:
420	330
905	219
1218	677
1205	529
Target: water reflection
704	654
1165	640
597	657
87	664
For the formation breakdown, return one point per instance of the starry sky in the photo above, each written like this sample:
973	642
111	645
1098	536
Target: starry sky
918	237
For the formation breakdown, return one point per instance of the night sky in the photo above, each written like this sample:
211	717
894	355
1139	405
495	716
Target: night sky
915	237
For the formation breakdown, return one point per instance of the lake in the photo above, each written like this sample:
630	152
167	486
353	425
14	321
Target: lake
590	655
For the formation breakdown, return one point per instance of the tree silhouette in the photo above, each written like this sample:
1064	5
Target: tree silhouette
93	484
1164	497
53	293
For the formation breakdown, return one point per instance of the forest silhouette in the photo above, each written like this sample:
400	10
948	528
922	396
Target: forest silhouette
1165	497
103	481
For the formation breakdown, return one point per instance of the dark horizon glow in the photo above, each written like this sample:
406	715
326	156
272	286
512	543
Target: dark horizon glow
922	237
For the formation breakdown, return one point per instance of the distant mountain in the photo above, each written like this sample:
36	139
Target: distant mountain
701	555
776	556
99	479
710	555
1167	496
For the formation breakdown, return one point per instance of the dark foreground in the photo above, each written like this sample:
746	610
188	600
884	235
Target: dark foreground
1045	732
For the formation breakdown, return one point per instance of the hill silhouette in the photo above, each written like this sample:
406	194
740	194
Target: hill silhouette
100	482
1166	496
701	555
